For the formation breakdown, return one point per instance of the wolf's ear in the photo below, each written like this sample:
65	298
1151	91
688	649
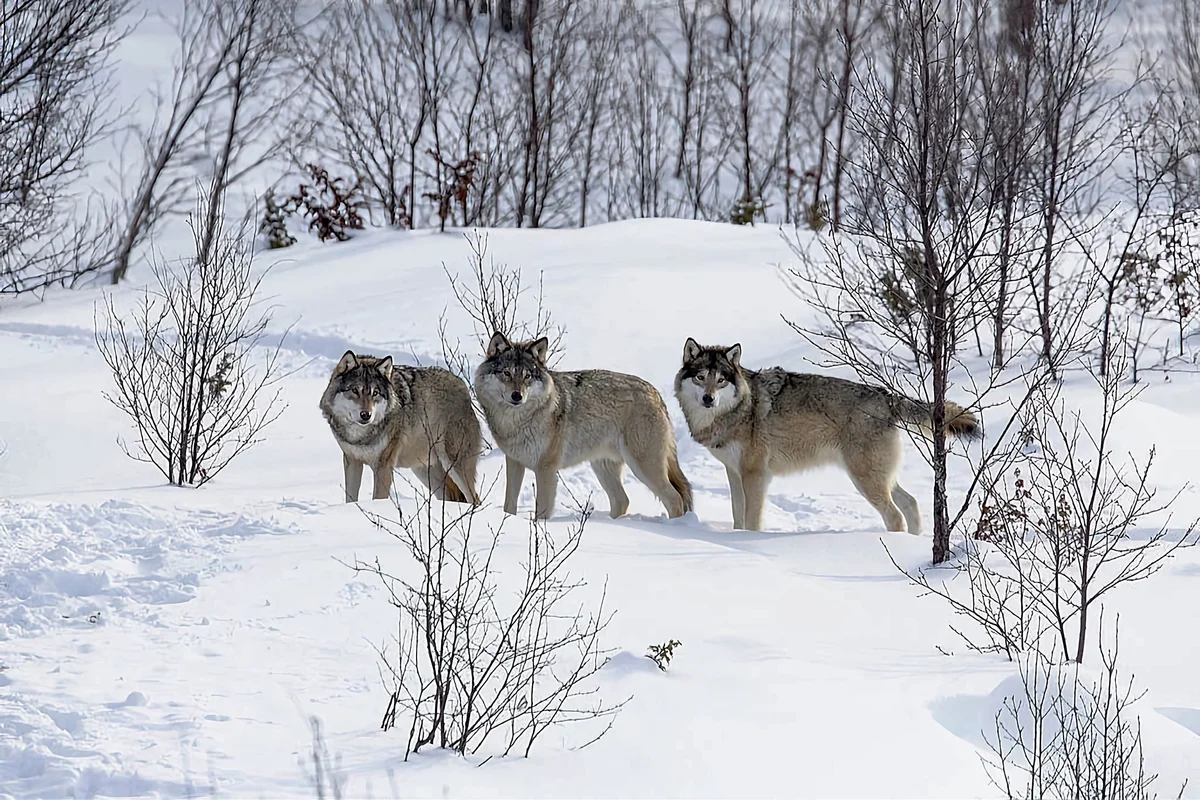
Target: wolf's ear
540	348
691	350
734	354
498	344
385	367
348	362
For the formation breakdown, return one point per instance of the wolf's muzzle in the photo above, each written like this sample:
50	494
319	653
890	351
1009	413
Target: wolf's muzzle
707	400
364	417
516	398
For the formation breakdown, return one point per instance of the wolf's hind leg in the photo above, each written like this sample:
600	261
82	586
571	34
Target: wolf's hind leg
877	489
657	478
608	472
353	471
460	481
909	508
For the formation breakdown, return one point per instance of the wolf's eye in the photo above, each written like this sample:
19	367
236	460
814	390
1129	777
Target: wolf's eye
721	381
699	378
356	391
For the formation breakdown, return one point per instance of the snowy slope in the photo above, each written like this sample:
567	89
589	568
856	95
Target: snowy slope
159	641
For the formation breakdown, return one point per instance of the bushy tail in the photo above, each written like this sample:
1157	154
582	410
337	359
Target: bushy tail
679	481
959	421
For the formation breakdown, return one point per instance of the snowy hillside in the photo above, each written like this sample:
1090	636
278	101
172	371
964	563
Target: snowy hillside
162	641
1024	170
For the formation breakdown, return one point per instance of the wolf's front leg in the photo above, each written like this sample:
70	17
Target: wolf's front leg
353	473
514	474
754	487
546	489
383	479
737	497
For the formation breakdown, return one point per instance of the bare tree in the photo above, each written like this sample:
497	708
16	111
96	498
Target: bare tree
226	91
469	666
1009	88
54	91
911	269
642	158
605	37
188	363
554	33
855	19
698	107
1126	266
753	42
1074	108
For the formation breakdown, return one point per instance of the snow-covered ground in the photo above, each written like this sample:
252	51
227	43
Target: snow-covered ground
161	641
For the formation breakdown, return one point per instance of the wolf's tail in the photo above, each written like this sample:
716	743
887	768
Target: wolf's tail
959	421
679	481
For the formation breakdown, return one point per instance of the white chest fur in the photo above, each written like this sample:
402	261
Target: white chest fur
367	454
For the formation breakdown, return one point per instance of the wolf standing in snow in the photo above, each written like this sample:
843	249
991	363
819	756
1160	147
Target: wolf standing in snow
391	416
773	422
545	420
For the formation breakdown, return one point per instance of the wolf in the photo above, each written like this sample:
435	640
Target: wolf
391	416
545	420
774	422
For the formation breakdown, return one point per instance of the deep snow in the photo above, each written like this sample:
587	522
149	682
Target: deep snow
160	641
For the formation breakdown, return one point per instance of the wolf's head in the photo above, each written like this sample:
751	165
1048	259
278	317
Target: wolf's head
513	372
361	388
710	378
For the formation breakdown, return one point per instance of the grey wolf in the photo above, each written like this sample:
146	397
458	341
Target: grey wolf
390	416
774	422
545	421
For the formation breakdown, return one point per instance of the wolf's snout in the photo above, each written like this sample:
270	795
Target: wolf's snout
364	416
707	400
516	398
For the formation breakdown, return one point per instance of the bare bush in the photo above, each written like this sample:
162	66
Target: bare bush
54	91
471	666
1063	736
188	365
1061	526
491	297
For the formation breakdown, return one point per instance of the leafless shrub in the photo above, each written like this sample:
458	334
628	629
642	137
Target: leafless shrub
491	297
54	91
1061	526
470	667
1062	735
185	360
